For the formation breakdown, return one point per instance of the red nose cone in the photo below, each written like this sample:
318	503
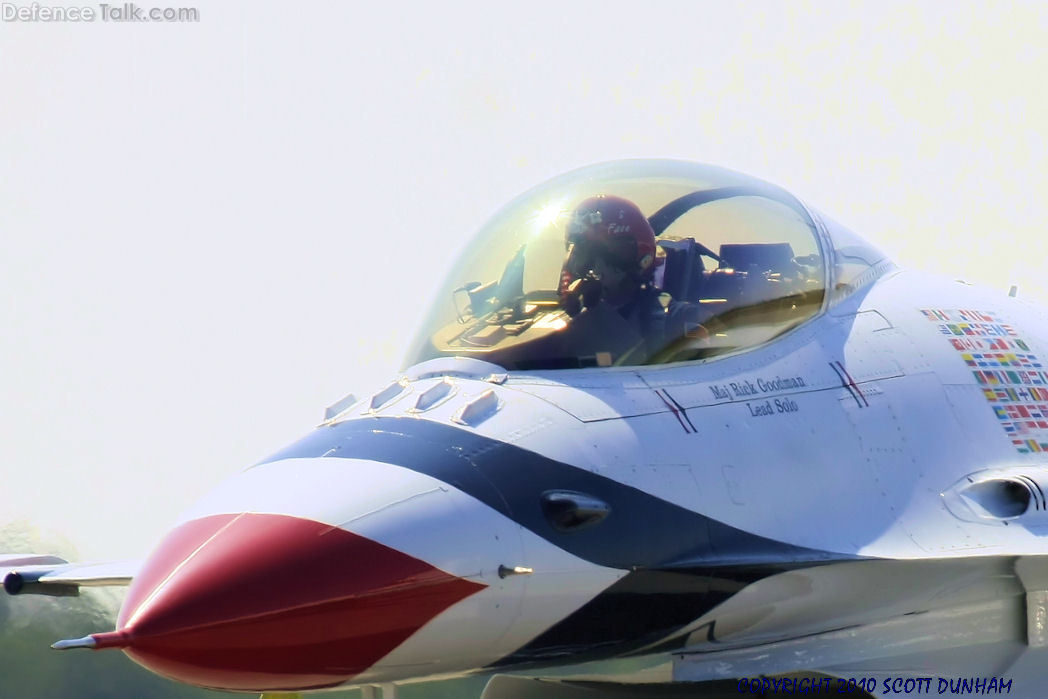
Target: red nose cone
260	601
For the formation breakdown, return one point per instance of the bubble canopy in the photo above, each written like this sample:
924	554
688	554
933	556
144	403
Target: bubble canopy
558	279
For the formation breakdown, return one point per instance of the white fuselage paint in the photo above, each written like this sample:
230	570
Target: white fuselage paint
434	522
839	436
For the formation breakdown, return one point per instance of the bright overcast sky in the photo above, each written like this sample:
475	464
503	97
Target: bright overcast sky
209	231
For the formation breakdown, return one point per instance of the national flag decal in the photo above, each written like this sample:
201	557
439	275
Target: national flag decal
1012	378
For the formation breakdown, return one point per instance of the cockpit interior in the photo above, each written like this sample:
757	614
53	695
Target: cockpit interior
723	263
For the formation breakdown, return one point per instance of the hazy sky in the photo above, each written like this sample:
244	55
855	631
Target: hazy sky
210	231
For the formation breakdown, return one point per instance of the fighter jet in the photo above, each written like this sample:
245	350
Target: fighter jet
664	426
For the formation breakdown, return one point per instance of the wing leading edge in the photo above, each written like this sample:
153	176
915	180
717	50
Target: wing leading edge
40	574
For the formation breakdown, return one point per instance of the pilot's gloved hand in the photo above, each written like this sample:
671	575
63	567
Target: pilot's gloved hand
697	332
691	322
582	293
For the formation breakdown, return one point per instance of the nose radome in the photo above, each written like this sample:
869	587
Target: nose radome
265	601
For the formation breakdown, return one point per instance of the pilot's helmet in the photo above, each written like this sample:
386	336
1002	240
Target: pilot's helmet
614	228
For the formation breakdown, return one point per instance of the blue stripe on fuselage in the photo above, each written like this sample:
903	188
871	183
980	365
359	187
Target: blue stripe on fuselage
642	531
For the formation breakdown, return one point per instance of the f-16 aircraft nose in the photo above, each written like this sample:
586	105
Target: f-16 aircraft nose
261	601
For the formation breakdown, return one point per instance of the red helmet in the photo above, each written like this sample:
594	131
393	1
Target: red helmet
615	228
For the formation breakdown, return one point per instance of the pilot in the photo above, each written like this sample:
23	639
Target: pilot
611	262
609	240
